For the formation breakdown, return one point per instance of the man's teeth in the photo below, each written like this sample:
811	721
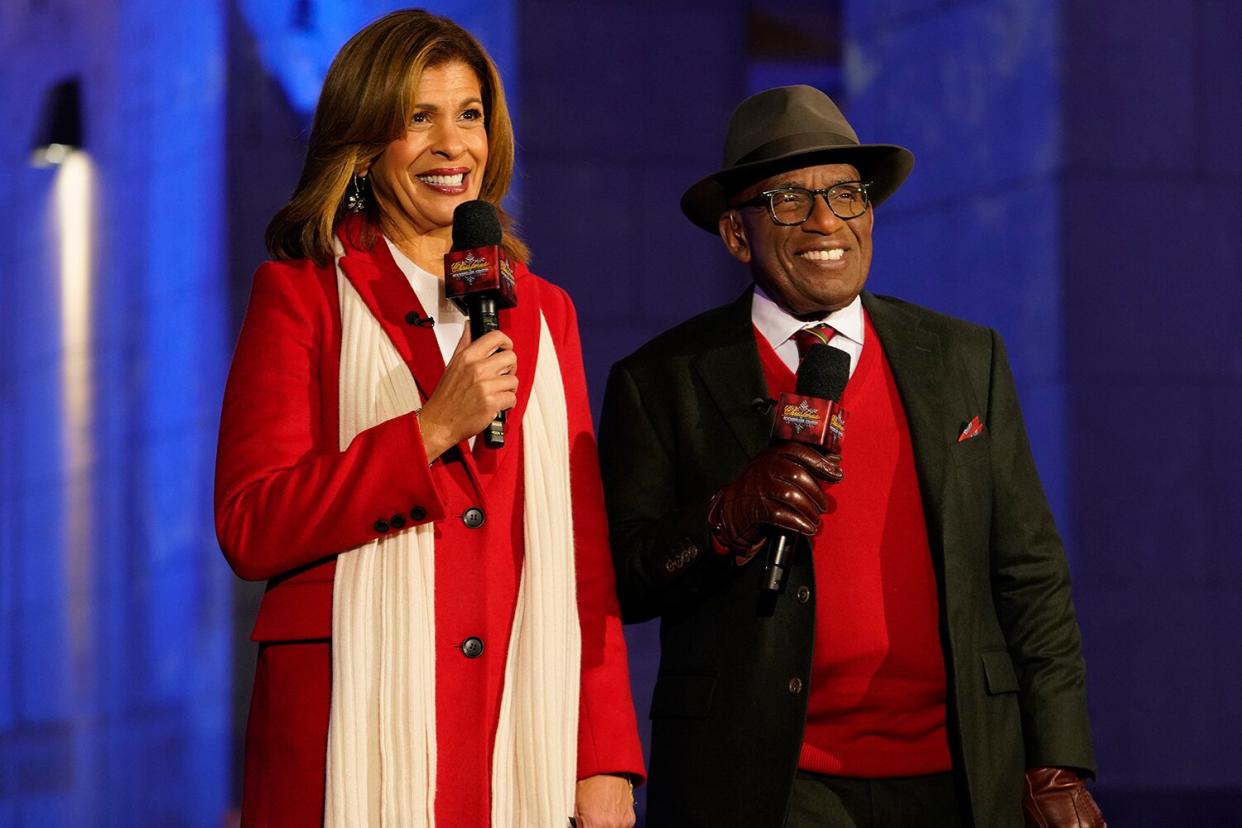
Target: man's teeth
832	255
443	180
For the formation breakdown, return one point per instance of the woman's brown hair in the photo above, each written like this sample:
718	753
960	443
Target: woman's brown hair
366	103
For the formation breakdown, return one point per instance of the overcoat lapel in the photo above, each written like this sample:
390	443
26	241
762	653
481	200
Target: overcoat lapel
388	295
917	360
733	376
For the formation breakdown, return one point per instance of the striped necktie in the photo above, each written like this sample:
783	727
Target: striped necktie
818	334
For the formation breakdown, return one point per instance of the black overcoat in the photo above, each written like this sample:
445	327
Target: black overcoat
682	417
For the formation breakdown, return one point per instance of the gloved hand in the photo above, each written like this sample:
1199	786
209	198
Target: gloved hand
1058	798
780	488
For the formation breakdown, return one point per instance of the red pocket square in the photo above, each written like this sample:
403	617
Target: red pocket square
972	429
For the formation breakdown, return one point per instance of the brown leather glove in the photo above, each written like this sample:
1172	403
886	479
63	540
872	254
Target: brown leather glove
780	488
1058	798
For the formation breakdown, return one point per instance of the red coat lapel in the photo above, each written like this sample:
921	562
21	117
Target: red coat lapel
389	297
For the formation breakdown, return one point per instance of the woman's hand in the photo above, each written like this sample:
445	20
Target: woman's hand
604	801
478	382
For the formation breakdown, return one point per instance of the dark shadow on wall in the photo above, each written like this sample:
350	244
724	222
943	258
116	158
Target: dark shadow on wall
1189	808
265	146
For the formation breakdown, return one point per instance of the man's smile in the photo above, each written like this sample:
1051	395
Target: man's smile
833	254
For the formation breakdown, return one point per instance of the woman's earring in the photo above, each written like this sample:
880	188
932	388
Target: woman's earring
356	199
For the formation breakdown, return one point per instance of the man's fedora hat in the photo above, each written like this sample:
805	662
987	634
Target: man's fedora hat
784	129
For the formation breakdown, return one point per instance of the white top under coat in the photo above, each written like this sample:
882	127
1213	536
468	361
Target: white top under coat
778	327
429	288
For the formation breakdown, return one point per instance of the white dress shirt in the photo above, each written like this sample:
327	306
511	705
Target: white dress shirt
778	328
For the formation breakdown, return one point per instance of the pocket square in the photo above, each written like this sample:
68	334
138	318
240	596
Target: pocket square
972	429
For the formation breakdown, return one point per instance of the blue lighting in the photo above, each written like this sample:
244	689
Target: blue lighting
297	41
116	616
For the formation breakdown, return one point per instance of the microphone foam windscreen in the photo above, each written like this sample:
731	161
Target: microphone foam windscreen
476	224
823	373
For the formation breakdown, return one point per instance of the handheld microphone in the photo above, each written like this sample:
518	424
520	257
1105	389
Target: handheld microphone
478	277
811	415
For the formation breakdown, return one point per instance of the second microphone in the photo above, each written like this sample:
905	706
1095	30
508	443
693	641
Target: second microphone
812	415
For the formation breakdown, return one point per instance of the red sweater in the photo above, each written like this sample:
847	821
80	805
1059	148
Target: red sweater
877	690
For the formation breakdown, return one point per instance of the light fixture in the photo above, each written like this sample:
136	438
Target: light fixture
60	127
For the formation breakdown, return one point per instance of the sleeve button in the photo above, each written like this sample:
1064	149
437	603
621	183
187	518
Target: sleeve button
396	521
418	513
380	526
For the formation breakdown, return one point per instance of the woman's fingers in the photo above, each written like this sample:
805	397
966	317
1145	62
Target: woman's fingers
489	343
501	362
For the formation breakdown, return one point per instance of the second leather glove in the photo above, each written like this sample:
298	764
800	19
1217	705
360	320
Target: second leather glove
1058	798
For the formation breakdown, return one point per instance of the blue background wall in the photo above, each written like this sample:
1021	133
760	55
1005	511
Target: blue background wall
1078	187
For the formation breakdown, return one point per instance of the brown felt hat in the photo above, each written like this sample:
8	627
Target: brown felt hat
784	129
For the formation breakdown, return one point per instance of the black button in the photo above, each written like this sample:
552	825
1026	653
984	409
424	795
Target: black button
795	686
412	318
803	594
396	521
473	517
418	513
472	647
380	525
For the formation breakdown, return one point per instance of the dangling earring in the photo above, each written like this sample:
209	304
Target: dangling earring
356	199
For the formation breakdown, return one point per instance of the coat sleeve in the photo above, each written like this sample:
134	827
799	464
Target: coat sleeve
286	495
662	546
607	727
1031	590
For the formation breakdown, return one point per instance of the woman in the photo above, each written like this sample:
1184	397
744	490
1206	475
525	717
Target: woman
439	640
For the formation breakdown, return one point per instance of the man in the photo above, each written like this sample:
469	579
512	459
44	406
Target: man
922	666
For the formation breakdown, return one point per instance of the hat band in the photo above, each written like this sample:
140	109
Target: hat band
788	144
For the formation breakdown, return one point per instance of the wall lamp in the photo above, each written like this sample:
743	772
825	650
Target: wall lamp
60	127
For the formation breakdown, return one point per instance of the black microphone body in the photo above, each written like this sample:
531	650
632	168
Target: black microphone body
811	415
478	278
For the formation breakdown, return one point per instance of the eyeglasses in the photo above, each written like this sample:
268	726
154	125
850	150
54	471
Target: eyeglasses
791	206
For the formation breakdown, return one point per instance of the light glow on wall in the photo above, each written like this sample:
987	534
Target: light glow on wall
51	155
73	204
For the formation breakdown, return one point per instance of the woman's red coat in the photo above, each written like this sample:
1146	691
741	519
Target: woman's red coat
288	500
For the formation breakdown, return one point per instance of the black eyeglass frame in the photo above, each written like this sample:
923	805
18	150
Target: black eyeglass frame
764	199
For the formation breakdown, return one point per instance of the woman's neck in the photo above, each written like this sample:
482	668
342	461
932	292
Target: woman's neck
424	249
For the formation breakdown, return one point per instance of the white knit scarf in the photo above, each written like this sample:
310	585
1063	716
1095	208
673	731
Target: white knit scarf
381	763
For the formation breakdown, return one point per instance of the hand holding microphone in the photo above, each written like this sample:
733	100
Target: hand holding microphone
478	278
778	496
812	416
780	488
479	380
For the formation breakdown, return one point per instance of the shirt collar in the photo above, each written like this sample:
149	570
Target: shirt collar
778	326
